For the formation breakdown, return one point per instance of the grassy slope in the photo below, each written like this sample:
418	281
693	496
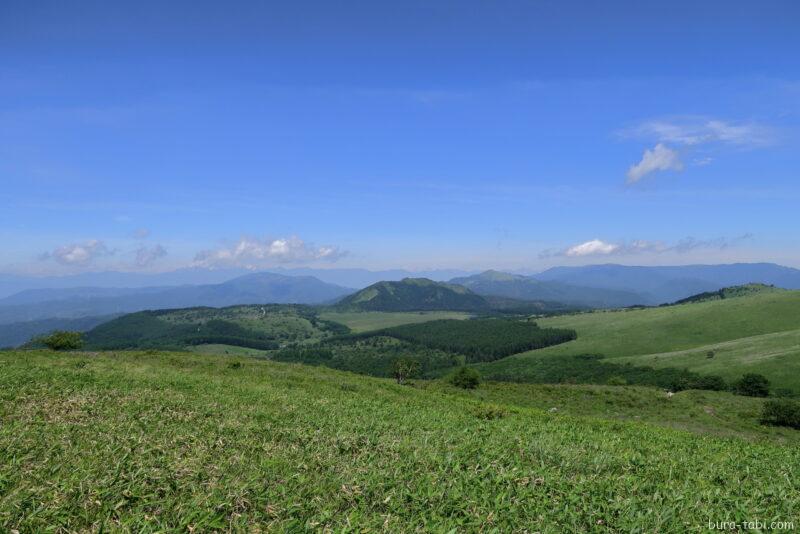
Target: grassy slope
777	356
365	321
633	333
148	442
228	350
703	412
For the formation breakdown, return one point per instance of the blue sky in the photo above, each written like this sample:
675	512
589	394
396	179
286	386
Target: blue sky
514	135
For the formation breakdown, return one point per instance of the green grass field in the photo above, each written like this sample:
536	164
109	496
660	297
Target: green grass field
366	321
712	413
646	336
776	356
148	442
228	350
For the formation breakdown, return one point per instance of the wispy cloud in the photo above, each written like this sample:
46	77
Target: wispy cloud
78	254
253	253
141	233
660	158
599	247
146	256
694	130
688	244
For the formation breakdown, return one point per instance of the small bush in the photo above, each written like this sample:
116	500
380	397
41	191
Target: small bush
489	411
752	385
781	412
63	340
466	378
709	382
617	381
235	365
687	380
710	354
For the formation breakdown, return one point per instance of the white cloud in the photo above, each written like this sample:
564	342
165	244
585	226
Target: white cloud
146	256
595	247
660	158
691	133
256	253
598	247
78	253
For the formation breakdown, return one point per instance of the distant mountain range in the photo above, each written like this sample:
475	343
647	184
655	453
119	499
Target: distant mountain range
658	285
12	283
355	278
495	283
360	278
257	288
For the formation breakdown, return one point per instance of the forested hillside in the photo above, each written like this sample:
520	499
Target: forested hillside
258	327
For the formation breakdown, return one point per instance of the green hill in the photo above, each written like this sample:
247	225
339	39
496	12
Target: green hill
145	442
754	333
414	294
421	294
730	293
259	327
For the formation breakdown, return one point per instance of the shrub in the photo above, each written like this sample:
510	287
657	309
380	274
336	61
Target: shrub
784	393
687	380
63	340
752	385
617	381
710	354
465	377
781	412
710	382
489	411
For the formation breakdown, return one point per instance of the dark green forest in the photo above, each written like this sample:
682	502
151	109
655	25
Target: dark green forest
481	340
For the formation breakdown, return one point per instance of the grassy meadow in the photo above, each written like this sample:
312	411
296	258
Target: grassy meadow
756	333
360	322
775	355
713	413
153	442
